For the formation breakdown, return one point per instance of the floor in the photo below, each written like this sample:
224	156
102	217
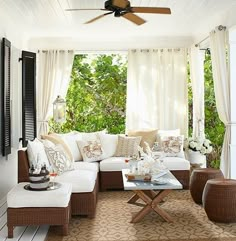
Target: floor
24	233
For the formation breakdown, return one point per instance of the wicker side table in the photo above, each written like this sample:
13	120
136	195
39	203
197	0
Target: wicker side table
198	179
219	200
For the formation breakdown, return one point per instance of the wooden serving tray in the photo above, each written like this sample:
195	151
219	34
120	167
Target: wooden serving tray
135	177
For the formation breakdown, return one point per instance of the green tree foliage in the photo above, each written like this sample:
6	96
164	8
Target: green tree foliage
96	97
214	128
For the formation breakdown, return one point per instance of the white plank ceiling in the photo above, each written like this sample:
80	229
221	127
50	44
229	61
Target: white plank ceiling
48	19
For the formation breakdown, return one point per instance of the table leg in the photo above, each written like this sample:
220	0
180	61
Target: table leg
160	196
133	199
162	214
10	231
151	204
138	216
150	193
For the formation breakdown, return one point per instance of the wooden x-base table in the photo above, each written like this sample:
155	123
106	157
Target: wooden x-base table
152	199
151	194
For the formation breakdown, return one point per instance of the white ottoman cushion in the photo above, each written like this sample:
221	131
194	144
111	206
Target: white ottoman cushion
18	197
80	165
176	163
81	180
113	164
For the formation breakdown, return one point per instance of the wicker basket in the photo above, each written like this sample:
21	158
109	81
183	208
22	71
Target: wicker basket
219	200
198	179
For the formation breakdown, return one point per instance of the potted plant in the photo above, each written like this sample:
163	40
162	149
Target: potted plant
197	149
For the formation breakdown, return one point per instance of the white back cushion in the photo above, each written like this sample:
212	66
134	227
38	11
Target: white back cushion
109	144
36	153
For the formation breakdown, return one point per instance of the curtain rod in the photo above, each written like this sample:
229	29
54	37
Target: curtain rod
220	28
85	51
61	50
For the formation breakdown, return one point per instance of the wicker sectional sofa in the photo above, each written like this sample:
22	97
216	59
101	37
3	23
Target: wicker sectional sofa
90	176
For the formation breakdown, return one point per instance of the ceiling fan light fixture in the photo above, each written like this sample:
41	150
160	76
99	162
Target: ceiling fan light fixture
123	4
122	8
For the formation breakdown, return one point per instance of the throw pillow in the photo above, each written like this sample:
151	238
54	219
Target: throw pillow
162	133
57	140
148	136
91	150
36	154
58	159
109	144
172	145
127	146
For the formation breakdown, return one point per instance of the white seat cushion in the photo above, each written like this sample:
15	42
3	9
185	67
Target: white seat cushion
80	165
81	180
176	163
18	197
113	164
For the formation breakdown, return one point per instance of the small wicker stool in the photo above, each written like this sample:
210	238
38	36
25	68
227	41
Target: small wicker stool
219	200
38	207
198	179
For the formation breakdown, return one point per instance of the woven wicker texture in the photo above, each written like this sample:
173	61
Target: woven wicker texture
38	216
81	203
112	222
219	200
198	179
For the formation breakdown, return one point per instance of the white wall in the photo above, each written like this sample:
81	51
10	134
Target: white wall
8	165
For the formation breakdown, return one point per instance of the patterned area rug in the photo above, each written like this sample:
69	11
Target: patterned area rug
112	222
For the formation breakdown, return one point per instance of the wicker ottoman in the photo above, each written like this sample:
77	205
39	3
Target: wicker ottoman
38	207
219	200
198	179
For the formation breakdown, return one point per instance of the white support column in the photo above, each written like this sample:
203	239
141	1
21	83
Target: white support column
232	42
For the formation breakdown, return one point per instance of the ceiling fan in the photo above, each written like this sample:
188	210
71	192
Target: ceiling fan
122	8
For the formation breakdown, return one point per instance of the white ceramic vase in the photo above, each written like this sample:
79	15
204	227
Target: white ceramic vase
196	157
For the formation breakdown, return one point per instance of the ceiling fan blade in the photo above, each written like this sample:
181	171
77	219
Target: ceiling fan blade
134	18
120	3
86	9
98	17
150	10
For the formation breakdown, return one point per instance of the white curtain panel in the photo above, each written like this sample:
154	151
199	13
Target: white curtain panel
157	89
54	69
197	58
218	45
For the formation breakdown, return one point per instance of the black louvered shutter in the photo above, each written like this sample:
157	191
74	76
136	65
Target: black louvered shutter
6	97
28	96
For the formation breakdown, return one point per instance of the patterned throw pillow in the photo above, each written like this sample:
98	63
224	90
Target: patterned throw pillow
162	133
55	139
91	150
127	146
172	145
58	159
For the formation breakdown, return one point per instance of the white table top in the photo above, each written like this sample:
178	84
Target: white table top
172	183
